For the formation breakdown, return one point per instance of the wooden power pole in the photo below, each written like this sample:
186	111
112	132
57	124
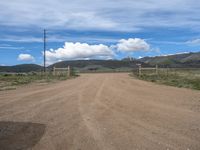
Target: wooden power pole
44	50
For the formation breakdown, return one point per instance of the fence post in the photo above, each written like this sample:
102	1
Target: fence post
69	73
167	71
54	71
157	69
140	70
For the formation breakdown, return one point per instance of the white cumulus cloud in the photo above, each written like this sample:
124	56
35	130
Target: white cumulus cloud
74	51
132	45
25	57
194	42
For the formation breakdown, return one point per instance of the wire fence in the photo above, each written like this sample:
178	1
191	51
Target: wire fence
195	72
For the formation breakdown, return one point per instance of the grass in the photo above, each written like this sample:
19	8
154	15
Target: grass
11	81
183	78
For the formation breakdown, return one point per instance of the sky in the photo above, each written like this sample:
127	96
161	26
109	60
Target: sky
96	29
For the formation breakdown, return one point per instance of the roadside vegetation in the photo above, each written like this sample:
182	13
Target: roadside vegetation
183	78
9	81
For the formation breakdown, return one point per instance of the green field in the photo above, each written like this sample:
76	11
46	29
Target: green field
11	81
186	78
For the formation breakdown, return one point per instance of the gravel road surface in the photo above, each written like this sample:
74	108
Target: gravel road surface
100	112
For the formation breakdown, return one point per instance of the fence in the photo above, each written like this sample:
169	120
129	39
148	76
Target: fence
195	72
141	70
62	71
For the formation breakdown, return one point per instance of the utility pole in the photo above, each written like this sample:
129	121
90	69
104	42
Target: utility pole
44	50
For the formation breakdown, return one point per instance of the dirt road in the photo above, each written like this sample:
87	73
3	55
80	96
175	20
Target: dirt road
100	112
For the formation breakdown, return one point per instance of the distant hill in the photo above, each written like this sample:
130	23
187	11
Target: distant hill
21	68
81	65
177	60
84	65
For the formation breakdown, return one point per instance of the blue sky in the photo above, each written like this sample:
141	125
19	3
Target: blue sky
96	29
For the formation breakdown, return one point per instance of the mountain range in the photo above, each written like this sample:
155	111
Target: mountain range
184	60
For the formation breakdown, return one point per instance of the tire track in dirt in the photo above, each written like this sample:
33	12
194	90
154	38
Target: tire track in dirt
90	121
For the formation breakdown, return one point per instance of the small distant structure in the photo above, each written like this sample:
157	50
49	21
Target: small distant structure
92	68
131	58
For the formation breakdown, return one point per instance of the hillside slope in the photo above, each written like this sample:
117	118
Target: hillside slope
185	60
98	64
21	68
178	60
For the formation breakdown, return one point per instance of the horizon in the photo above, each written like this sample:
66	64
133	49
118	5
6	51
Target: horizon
96	29
113	59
